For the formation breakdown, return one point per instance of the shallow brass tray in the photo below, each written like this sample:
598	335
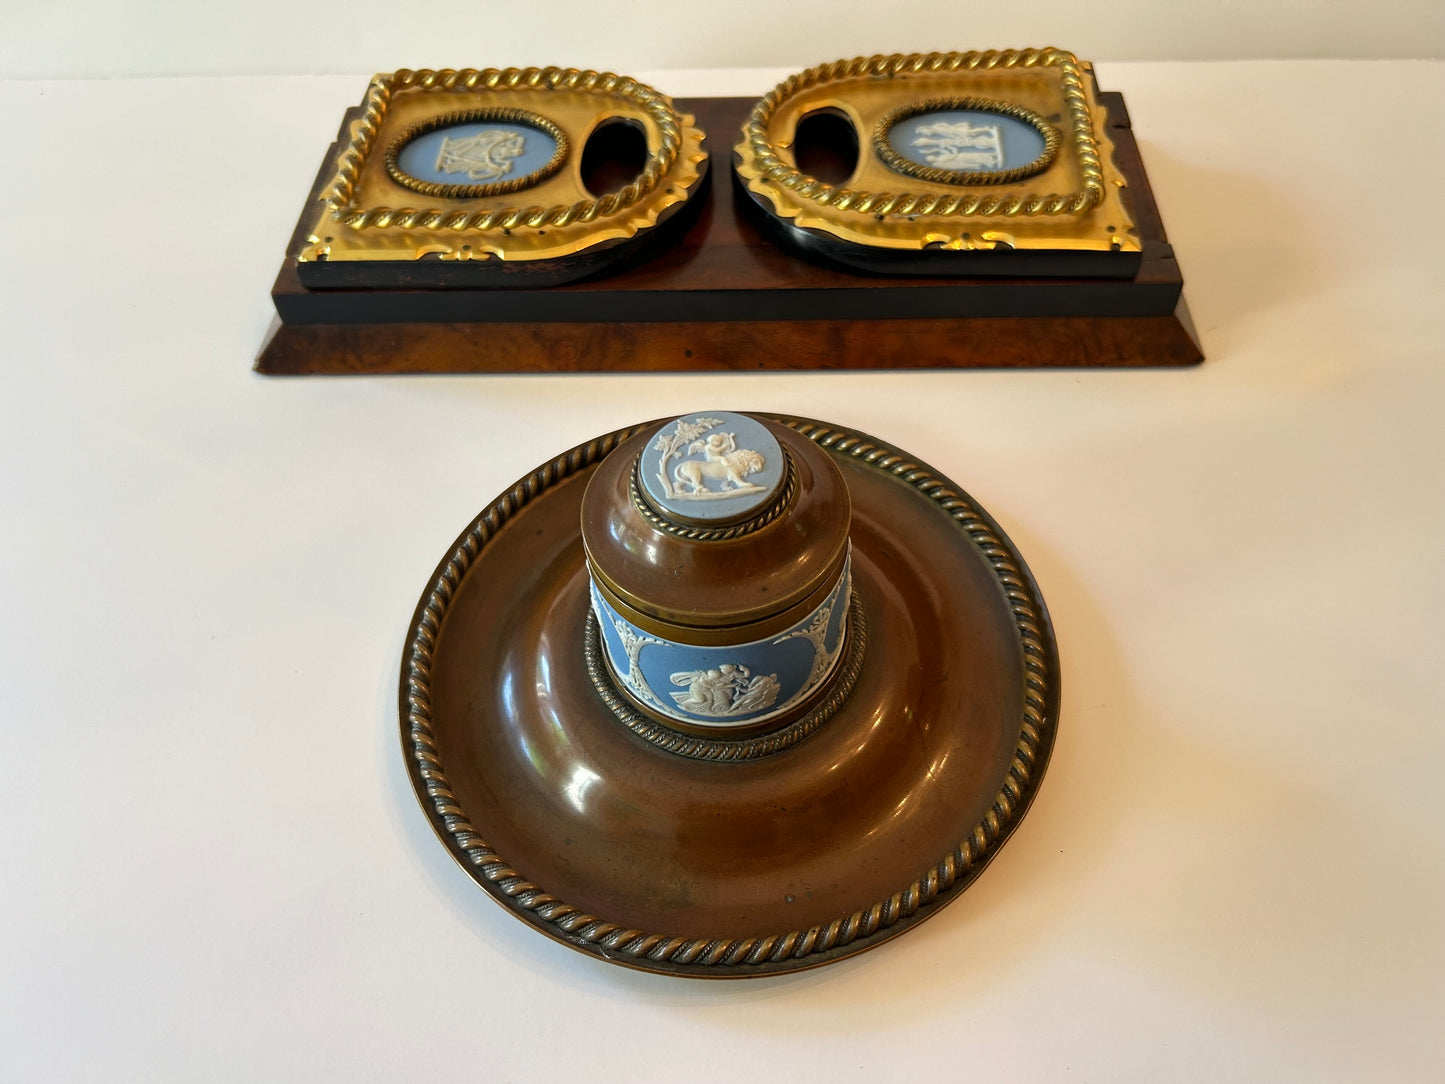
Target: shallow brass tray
713	869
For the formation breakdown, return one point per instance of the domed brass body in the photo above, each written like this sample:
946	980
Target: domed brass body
718	590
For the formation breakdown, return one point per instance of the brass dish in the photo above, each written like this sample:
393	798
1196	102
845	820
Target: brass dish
701	866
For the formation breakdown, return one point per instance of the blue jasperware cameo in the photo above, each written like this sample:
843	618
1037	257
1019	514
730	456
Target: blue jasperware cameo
715	467
477	153
971	142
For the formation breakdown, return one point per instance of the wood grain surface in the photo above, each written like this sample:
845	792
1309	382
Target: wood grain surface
724	297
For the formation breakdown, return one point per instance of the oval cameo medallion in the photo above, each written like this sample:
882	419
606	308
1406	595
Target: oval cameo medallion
484	152
966	141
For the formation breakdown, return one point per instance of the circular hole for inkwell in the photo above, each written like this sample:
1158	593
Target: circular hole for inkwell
614	155
825	146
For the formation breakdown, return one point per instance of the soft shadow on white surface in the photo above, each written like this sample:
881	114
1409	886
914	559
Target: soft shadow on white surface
1240	235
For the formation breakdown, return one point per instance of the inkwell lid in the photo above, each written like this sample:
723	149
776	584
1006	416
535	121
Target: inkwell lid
716	521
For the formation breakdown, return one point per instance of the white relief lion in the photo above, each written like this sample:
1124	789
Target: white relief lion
722	462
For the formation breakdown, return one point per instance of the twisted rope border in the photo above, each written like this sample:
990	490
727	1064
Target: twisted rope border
1081	129
773	952
365	131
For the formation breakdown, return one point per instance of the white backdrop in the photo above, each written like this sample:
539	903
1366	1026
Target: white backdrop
45	39
212	866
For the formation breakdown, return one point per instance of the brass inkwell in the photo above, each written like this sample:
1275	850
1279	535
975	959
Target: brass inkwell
728	695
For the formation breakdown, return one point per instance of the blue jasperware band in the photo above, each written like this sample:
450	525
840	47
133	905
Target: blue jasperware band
726	686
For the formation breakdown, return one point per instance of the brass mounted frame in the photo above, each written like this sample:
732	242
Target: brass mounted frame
367	215
1075	202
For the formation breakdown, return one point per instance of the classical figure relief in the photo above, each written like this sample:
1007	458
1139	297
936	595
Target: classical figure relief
729	689
482	157
721	473
960	145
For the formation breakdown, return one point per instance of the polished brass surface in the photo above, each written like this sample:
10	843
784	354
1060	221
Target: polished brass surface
745	586
747	743
1076	203
713	636
367	215
896	162
631	854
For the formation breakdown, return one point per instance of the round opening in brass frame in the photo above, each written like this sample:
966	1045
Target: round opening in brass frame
518	117
884	149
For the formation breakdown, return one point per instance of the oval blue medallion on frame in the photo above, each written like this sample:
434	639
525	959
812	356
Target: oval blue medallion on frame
713	467
965	141
477	153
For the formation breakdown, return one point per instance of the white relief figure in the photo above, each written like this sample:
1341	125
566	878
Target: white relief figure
723	462
960	145
671	446
729	689
482	157
633	643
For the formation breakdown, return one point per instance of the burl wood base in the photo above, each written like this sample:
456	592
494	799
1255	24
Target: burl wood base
980	342
725	298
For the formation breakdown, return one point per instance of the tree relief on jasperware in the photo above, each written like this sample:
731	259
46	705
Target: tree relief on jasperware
721	472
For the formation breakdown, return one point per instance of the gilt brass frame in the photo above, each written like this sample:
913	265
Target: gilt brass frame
1075	202
365	213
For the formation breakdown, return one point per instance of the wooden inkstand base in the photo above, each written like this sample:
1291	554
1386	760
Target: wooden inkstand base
721	296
